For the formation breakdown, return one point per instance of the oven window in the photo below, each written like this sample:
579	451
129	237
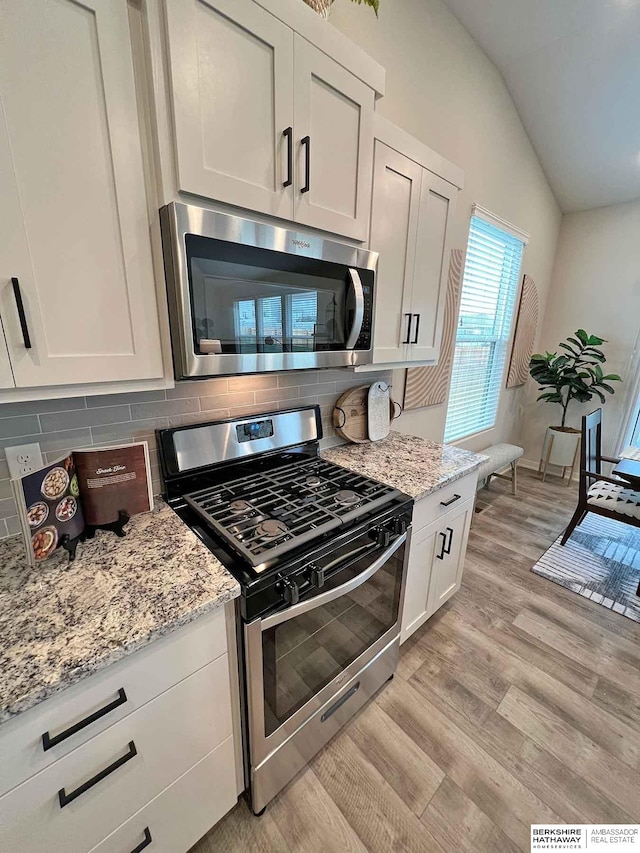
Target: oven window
303	655
250	300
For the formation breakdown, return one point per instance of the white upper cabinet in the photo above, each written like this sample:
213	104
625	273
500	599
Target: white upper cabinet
232	88
266	121
334	137
411	216
73	208
431	268
394	221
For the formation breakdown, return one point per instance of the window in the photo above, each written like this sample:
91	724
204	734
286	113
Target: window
286	323
489	286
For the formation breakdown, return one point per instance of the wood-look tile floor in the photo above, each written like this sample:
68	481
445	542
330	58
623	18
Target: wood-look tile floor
518	702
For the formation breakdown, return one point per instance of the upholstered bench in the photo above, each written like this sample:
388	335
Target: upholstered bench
500	455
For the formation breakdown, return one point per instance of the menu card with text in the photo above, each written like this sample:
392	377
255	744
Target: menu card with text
86	487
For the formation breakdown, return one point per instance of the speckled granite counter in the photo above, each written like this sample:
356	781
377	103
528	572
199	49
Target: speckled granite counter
60	622
406	462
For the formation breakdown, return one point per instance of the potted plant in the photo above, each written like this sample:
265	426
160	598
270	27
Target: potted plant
323	7
575	374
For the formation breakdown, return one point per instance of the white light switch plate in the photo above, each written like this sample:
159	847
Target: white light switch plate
23	459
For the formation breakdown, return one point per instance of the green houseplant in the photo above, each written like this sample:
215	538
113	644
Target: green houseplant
323	7
575	374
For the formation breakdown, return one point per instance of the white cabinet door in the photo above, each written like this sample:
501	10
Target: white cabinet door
333	113
448	563
431	269
6	375
394	227
422	551
73	208
231	66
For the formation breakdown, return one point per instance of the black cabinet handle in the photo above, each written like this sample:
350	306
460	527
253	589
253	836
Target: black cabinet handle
440	556
306	141
21	315
48	741
406	340
415	337
447	548
65	798
288	135
451	501
145	843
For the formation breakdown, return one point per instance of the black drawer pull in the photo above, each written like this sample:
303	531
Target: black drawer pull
306	141
21	315
65	798
440	556
48	741
288	135
452	501
147	841
447	548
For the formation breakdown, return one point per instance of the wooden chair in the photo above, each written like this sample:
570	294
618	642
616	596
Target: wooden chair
598	493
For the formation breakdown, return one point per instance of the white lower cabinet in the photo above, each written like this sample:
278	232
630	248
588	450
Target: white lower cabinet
164	765
436	562
183	812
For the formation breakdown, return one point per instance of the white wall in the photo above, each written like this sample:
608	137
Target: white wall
595	286
445	91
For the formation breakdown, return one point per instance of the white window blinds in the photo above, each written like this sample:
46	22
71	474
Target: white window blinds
489	287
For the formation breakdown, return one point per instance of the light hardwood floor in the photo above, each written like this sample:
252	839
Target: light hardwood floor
518	702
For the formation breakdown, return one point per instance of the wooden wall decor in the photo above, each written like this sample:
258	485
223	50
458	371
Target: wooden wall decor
427	386
525	333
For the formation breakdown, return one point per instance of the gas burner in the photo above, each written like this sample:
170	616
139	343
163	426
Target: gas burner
271	528
346	497
313	481
239	507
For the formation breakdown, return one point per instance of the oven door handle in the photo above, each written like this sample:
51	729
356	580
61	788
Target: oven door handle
332	594
356	328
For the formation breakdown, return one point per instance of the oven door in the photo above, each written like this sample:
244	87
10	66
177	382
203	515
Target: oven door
299	658
245	297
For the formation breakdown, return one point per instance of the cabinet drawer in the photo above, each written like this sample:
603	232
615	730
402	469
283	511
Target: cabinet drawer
183	812
145	752
432	507
142	676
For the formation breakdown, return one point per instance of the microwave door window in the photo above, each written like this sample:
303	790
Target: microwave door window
239	308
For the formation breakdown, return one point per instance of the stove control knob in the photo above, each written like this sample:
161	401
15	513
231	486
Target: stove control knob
399	526
381	536
290	591
316	576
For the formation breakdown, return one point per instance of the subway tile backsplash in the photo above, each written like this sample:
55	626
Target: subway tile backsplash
61	425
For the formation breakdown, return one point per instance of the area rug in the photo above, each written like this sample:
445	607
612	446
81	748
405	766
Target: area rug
601	561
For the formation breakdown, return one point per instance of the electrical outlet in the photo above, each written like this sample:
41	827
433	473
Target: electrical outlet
23	459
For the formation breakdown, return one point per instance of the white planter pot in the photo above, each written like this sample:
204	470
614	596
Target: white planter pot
560	448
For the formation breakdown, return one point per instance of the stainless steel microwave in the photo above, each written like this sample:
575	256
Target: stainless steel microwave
245	297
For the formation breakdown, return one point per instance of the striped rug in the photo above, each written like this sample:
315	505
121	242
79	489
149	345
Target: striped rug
601	561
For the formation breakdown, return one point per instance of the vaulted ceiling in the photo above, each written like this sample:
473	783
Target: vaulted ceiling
573	70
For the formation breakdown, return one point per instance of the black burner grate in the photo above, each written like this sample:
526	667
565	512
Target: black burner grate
265	515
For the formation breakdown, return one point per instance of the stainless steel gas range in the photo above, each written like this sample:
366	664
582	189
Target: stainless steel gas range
320	554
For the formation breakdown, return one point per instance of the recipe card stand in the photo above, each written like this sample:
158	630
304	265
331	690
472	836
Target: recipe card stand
117	527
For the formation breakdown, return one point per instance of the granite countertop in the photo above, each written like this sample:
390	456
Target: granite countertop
406	462
61	622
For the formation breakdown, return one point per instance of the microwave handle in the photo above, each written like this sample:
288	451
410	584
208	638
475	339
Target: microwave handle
356	285
330	595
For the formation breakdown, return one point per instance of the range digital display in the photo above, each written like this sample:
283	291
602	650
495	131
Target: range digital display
254	430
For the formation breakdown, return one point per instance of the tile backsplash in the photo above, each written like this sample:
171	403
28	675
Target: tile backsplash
74	422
